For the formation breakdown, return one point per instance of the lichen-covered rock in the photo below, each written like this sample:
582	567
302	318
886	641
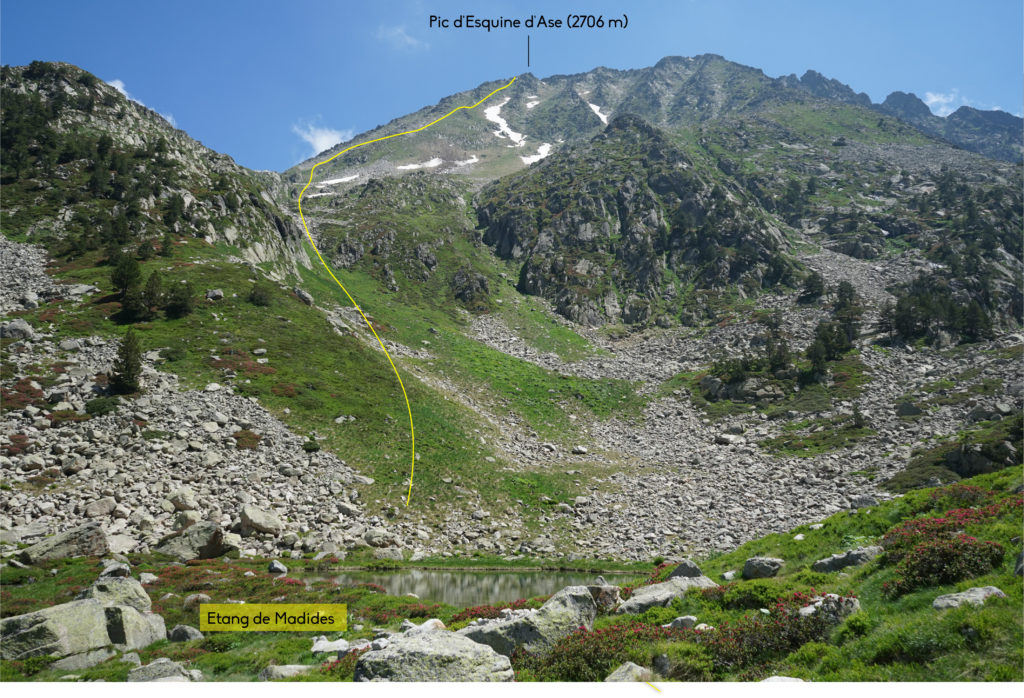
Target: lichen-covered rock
433	656
850	558
630	672
662	594
975	596
606	596
88	540
119	591
163	669
762	567
686	568
567	611
255	519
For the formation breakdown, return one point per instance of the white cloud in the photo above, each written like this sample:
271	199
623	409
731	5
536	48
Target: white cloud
119	86
943	104
319	138
399	39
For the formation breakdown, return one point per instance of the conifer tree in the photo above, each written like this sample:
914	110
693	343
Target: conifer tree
128	366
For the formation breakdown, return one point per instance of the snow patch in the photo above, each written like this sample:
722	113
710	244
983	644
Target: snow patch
472	160
339	180
531	105
492	114
597	110
542	152
433	162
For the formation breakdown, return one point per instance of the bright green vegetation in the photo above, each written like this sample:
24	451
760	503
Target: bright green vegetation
896	635
814	437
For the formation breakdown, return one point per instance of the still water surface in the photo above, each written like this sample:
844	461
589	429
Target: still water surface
473	588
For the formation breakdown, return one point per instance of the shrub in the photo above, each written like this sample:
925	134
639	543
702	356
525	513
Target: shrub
180	300
66	416
590	655
488	611
758	639
246	439
943	561
173	353
958	495
755	594
18	445
97	407
260	294
311	446
685	661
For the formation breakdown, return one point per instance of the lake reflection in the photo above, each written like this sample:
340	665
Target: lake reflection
470	588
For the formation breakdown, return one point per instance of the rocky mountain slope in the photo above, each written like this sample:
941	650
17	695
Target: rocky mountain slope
786	292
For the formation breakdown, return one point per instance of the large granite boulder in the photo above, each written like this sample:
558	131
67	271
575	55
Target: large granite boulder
662	594
537	630
79	629
433	656
119	591
850	558
255	519
201	541
88	540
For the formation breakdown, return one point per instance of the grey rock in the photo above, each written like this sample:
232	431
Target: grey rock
630	672
606	596
116	569
434	656
163	669
662	594
119	591
686	568
304	296
202	541
781	679
17	329
975	596
321	645
193	600
762	567
101	507
67	629
214	294
682	622
284	671
832	606
276	567
88	540
183	499
388	554
859	501
77	662
184	633
148	578
379	538
850	558
908	409
536	631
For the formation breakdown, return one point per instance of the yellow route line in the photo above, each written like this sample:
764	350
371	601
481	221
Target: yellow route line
412	428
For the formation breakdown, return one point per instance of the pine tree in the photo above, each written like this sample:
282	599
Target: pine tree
128	366
154	292
179	300
814	287
167	245
126	273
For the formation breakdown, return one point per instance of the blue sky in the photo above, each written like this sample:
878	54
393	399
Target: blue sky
267	82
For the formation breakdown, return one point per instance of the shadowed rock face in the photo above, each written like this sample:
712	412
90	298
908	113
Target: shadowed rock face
641	211
433	656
